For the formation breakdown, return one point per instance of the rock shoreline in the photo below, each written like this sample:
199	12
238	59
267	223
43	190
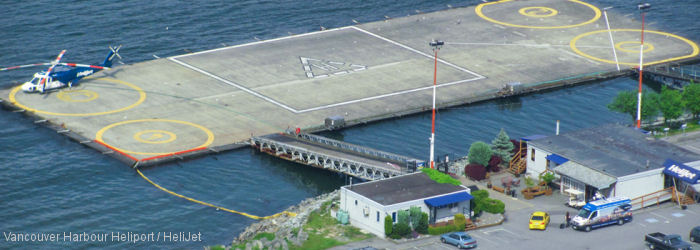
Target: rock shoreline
284	226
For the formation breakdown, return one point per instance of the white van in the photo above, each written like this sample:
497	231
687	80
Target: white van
603	212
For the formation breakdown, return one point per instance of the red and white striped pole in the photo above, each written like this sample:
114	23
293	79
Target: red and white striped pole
642	8
436	44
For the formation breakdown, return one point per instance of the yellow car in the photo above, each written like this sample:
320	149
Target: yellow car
539	220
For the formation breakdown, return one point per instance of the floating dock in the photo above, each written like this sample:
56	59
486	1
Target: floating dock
215	100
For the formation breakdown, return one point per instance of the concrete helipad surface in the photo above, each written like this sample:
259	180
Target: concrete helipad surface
215	99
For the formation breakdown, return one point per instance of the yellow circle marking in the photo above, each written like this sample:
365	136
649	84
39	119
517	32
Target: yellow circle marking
479	12
81	95
634	47
210	135
155	136
142	97
573	42
538	11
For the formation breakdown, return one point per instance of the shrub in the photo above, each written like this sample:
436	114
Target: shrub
493	206
422	224
460	221
388	225
516	146
403	217
493	163
480	195
548	177
440	177
402	229
442	229
415	214
480	153
475	171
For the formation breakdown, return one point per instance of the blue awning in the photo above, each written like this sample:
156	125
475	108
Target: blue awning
448	199
681	171
558	159
532	137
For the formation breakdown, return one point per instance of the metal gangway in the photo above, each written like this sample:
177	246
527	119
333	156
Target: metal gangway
342	157
675	76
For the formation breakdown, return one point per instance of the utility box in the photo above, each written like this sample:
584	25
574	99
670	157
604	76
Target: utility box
515	87
335	122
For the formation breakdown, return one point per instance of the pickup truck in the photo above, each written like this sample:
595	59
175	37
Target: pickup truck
662	241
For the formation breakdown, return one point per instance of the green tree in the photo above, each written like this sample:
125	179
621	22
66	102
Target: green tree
670	103
480	153
403	217
388	225
626	102
460	221
422	227
691	98
415	213
501	146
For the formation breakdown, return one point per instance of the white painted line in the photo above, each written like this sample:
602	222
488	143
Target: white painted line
264	41
484	238
691	211
252	92
659	215
641	224
418	52
678	215
525	45
384	95
652	220
234	85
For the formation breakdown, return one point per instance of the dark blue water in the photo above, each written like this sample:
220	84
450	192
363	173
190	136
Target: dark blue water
49	184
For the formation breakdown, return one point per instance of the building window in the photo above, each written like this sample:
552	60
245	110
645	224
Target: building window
355	202
532	154
377	216
393	217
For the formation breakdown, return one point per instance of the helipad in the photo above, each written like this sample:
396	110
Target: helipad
214	100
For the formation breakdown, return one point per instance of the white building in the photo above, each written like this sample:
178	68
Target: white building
614	160
368	203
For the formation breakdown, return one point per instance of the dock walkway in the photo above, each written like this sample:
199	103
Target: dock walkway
333	155
214	100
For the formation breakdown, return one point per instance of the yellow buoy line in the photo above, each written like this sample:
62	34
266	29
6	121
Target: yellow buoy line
212	205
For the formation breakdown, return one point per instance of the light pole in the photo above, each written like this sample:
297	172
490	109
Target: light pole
643	8
612	43
436	45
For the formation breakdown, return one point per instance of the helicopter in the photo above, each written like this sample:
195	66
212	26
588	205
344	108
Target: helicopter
60	74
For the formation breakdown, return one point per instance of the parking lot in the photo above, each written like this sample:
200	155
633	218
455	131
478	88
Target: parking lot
667	218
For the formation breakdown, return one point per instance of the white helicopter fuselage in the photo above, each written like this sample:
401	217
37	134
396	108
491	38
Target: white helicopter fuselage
35	84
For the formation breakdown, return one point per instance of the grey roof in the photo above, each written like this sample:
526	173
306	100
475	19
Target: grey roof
614	149
403	188
586	175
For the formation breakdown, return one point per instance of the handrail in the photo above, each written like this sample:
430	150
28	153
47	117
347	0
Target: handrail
358	149
657	196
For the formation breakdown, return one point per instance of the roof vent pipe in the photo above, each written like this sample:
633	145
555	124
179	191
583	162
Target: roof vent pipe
557	127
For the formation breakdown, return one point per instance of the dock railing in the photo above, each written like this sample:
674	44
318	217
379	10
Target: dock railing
359	149
654	198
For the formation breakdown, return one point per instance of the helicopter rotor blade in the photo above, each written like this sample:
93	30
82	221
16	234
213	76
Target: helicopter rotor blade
60	55
82	65
48	72
24	66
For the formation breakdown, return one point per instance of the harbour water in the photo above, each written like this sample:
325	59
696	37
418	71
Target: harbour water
49	184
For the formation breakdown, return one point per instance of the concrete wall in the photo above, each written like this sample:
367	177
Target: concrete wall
356	213
534	168
639	184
